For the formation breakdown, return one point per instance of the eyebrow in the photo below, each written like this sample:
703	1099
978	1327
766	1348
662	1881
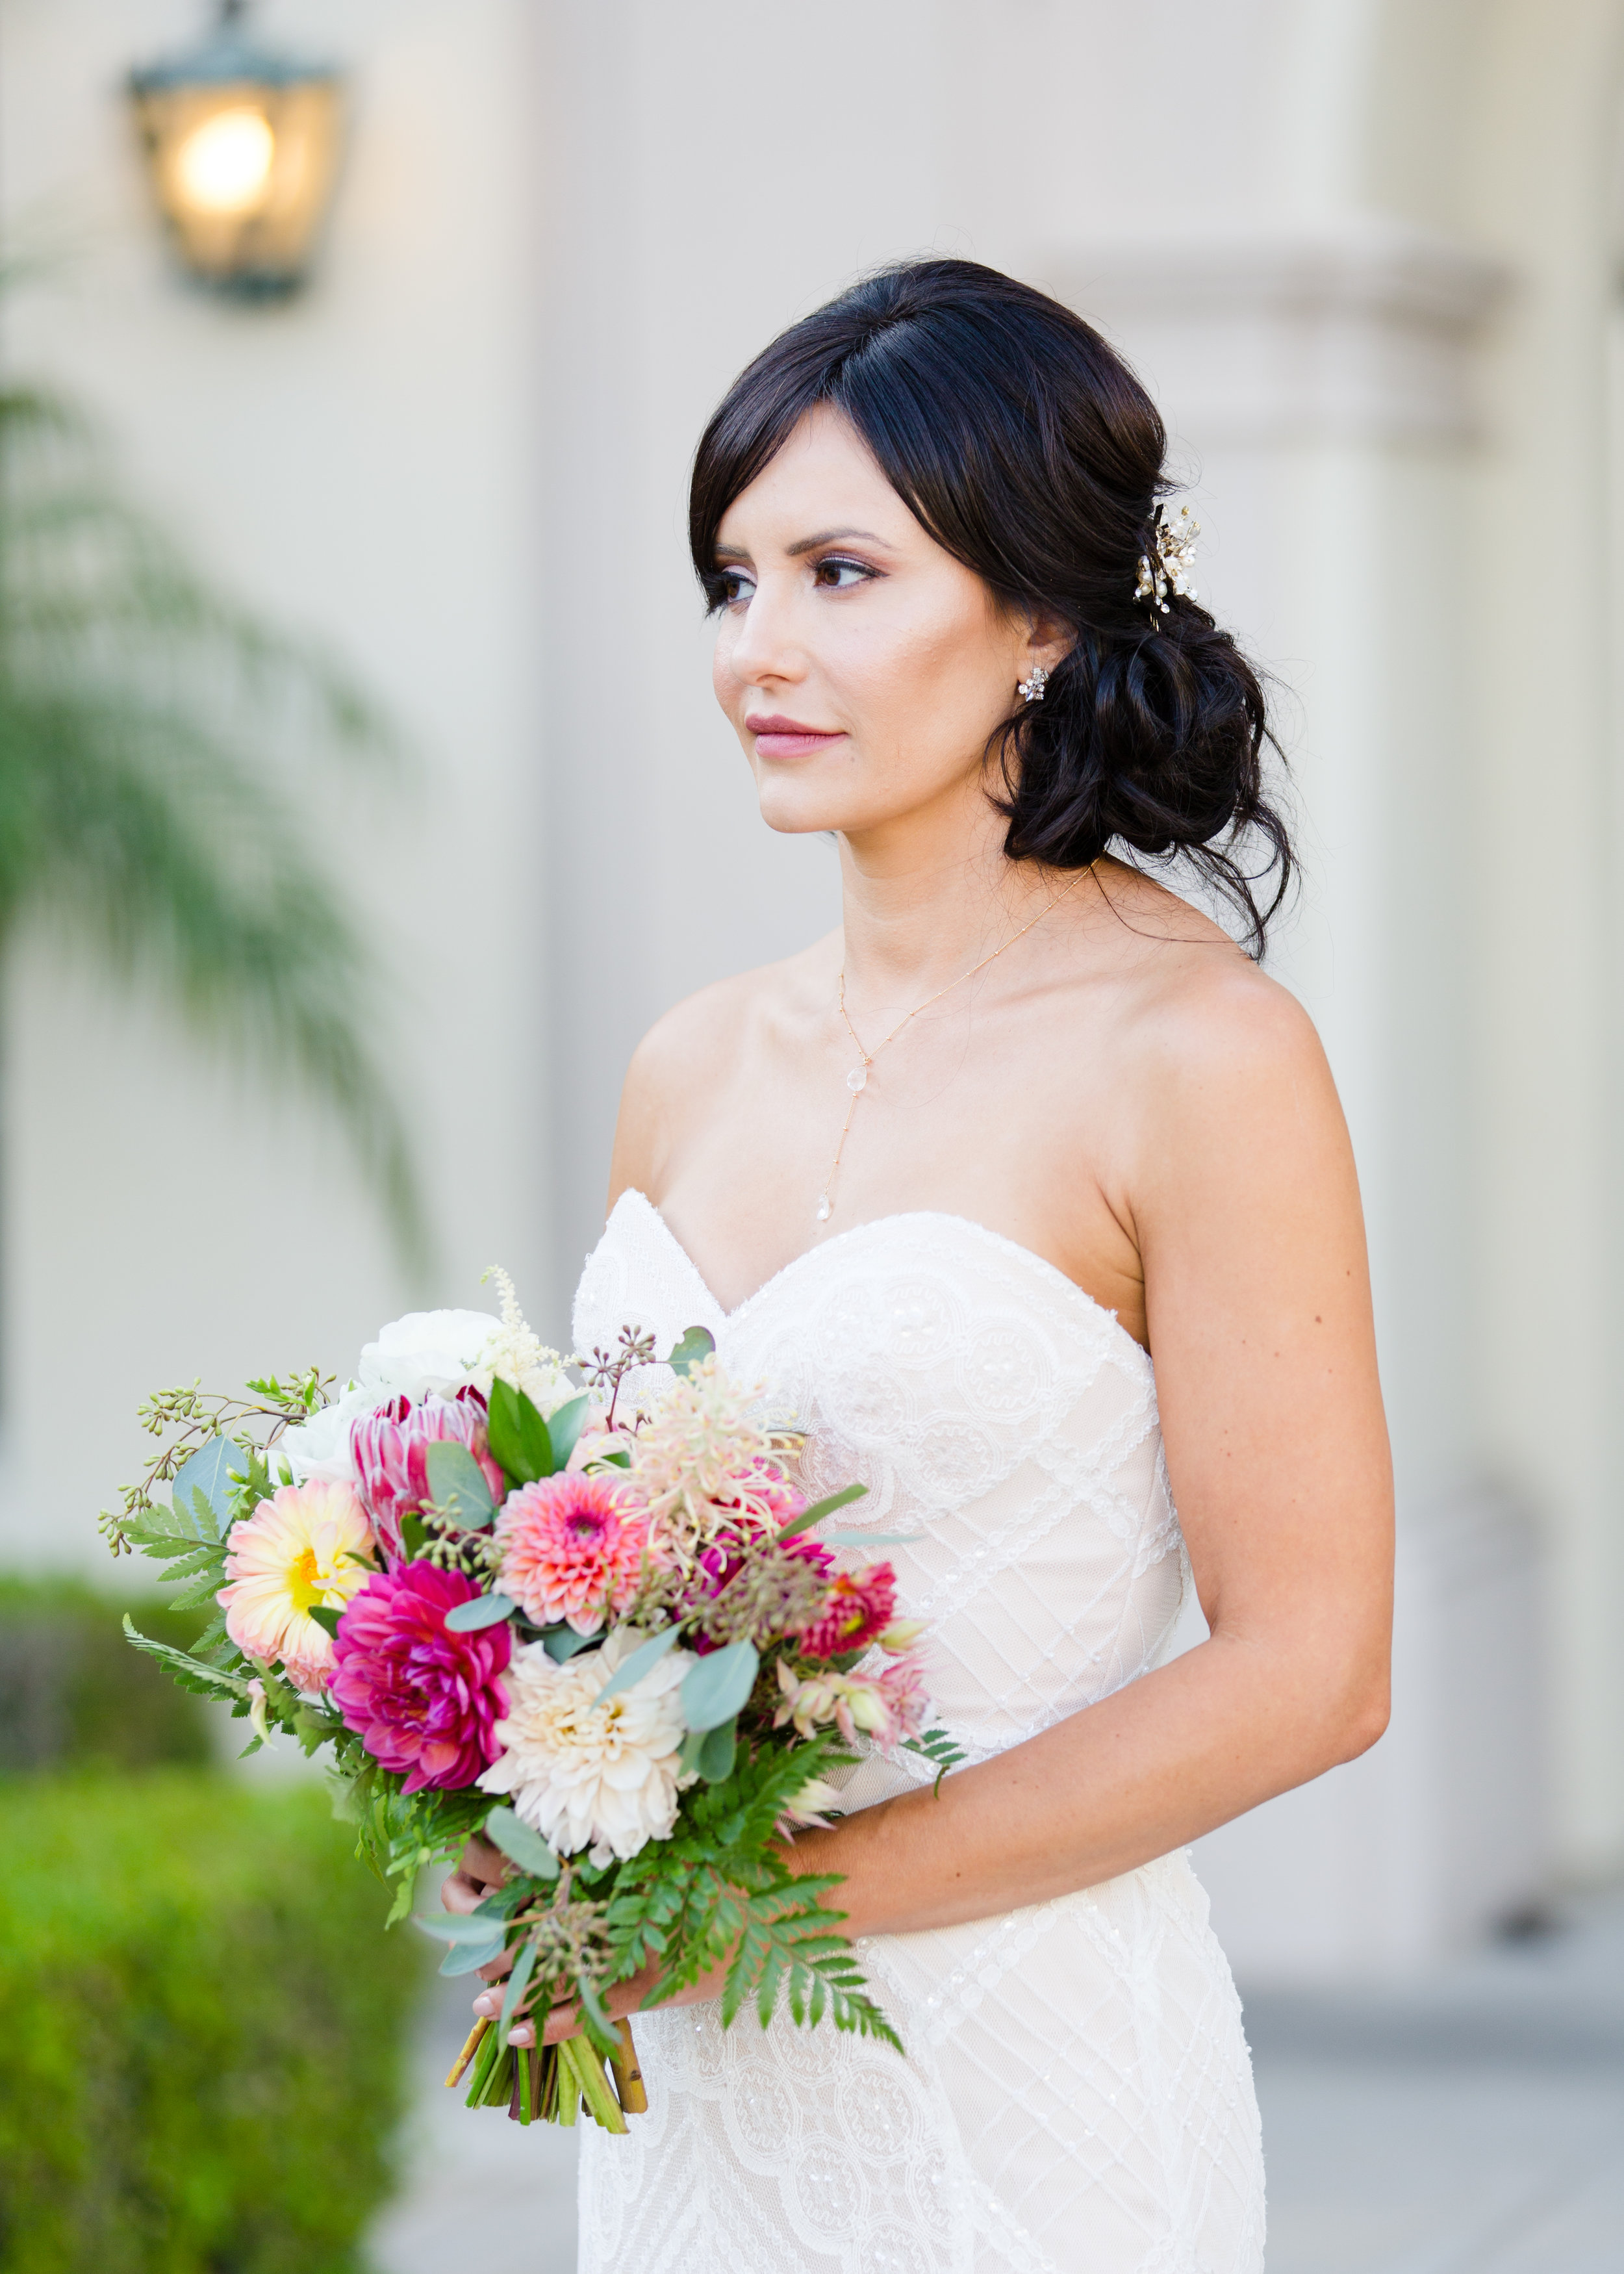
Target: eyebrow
804	543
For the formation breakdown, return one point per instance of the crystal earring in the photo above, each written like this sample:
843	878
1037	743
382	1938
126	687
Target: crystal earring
1030	690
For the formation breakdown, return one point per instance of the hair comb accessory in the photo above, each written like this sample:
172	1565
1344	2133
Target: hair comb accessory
1166	569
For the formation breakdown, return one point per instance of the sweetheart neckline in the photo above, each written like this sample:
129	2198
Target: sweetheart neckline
1030	1256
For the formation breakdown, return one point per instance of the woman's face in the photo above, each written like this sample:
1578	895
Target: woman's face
864	669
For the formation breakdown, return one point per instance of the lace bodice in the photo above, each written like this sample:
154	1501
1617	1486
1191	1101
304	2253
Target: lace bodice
1076	2091
996	1413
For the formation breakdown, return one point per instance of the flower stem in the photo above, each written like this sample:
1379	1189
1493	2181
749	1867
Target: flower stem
627	2073
595	2087
471	2046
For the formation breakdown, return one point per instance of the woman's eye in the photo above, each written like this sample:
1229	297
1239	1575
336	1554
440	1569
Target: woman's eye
735	584
841	575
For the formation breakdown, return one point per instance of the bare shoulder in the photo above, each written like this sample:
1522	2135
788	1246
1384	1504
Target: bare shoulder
1209	1052
689	1055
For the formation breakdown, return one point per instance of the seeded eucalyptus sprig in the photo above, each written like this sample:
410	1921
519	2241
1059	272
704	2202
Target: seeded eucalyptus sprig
188	1417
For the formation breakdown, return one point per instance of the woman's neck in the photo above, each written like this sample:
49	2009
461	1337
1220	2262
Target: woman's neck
919	913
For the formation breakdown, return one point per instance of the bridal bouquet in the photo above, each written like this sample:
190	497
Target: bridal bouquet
601	1634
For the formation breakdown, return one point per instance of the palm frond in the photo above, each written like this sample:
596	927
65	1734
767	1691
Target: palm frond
142	716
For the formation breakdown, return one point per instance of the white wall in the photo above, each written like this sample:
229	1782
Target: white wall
364	463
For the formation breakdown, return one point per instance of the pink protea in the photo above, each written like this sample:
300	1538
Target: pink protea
421	1698
860	1605
891	1707
390	1451
573	1547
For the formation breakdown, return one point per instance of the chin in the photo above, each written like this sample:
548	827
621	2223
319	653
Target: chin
802	808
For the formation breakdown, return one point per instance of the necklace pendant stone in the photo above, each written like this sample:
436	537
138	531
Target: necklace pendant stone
824	1208
857	1080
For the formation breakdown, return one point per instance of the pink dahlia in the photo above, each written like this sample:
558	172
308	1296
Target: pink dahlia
860	1605
390	1449
573	1547
419	1698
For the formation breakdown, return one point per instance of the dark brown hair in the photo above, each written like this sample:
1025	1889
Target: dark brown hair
1026	446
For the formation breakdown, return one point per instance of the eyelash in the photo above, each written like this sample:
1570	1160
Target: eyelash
717	584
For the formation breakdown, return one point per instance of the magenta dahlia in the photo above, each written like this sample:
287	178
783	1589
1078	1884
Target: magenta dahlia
860	1607
573	1547
420	1698
390	1449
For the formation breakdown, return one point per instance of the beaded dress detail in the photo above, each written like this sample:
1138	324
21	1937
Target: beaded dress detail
1077	2093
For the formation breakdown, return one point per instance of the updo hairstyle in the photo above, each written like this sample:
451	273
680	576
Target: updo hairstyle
1028	449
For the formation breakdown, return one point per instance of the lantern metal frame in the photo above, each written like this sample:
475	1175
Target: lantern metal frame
243	148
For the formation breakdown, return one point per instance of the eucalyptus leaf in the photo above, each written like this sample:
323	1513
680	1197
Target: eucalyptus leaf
209	1472
693	1746
523	1967
642	1661
468	1958
458	1926
823	1508
716	1751
694	1343
561	1643
714	1691
521	1844
565	1427
870	1538
457	1484
480	1611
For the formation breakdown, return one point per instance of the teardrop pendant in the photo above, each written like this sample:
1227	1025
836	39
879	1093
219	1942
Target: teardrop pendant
857	1080
824	1208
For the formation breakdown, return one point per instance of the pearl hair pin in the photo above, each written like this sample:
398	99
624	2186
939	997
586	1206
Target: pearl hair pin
1168	568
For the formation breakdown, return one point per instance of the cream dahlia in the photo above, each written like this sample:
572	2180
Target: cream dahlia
307	1545
585	1775
573	1547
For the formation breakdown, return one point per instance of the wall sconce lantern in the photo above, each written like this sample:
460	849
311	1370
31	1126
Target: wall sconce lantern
243	148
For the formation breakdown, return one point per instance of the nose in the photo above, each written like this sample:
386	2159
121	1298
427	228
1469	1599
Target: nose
764	647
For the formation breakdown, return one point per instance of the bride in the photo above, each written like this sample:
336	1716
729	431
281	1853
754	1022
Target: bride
1031	1196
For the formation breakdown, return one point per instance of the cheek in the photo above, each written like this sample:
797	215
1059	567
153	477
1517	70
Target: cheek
722	678
920	674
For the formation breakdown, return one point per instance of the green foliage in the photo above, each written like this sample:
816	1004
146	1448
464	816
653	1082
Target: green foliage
717	1882
940	1750
139	717
204	2031
72	1691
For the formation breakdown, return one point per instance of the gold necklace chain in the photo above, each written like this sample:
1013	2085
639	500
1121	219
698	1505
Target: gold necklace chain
857	1081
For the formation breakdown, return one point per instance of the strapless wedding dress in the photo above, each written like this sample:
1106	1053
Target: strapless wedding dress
1077	2096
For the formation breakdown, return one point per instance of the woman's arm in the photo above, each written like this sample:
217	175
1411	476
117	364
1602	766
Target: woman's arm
1239	1187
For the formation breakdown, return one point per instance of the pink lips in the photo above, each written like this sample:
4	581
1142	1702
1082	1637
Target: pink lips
777	737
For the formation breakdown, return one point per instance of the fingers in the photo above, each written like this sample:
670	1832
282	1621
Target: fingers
462	1893
489	2004
480	1861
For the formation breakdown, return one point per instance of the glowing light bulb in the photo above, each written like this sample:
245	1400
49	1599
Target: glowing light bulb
223	167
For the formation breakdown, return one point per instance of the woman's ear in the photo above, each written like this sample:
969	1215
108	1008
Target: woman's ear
1049	638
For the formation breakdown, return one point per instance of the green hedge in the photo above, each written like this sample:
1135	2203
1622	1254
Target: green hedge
202	2029
71	1688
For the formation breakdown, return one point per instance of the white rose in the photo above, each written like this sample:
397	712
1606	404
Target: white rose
321	1447
426	1350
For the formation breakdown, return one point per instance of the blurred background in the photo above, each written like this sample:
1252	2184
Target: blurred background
362	800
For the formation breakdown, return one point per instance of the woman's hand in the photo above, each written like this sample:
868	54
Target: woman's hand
481	1869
